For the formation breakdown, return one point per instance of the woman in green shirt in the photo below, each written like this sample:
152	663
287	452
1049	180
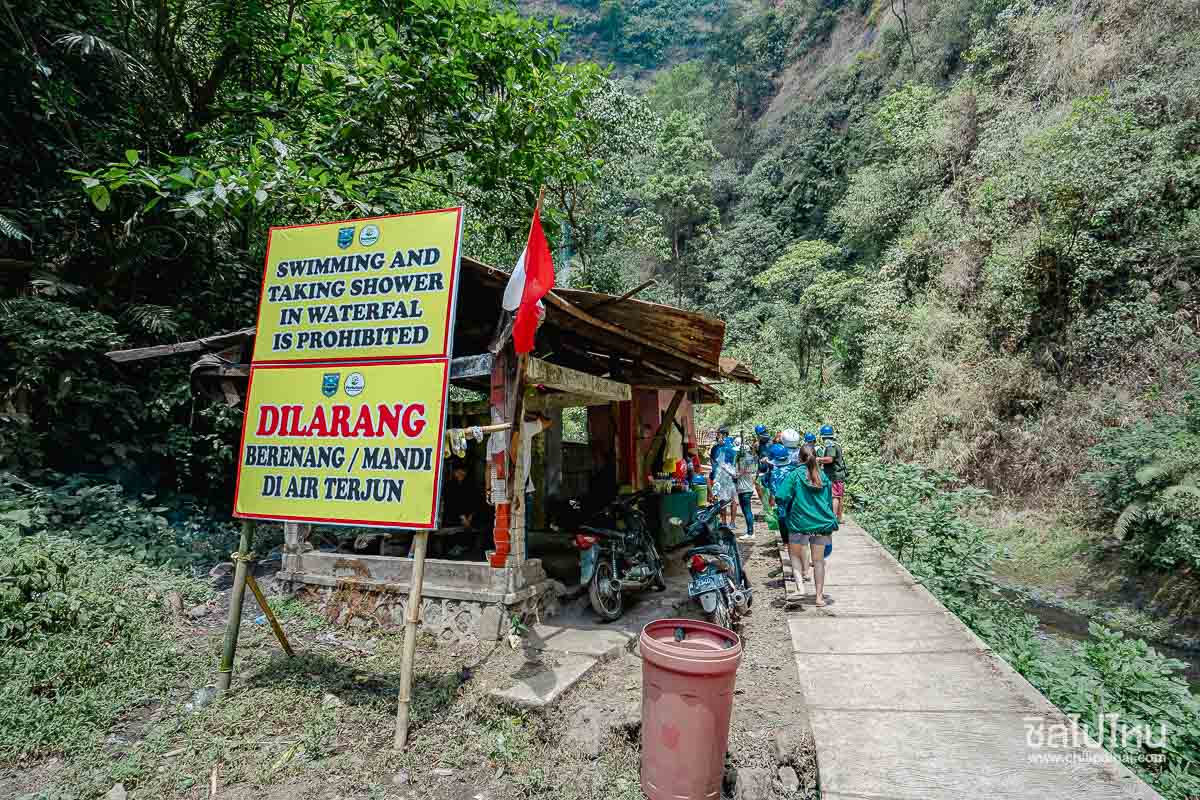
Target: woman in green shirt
805	500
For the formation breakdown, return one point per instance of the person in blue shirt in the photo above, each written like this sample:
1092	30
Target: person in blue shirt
722	434
724	470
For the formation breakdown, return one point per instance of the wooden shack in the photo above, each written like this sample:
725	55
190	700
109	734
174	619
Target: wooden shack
640	369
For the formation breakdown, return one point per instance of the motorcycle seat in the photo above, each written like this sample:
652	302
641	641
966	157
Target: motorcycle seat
601	532
707	550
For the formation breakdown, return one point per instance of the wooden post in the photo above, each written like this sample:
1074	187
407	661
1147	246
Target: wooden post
516	476
501	498
266	609
663	426
412	618
233	626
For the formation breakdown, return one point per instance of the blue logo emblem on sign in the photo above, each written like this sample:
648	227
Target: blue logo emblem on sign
329	383
345	237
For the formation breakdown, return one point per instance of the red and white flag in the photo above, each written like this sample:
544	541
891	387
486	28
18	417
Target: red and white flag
531	280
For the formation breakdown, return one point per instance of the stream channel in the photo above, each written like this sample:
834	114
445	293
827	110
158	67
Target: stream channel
1066	625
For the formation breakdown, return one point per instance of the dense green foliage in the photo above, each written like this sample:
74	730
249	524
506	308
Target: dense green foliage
172	531
920	516
1150	484
962	232
81	642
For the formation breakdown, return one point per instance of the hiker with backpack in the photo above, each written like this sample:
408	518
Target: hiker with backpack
833	460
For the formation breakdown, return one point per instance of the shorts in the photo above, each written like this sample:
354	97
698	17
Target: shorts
839	488
810	538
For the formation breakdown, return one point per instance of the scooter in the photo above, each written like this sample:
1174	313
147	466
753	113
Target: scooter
620	557
718	579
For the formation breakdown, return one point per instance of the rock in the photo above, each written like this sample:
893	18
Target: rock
222	570
587	735
492	624
117	792
597	720
201	698
753	784
628	717
442	772
400	778
789	779
1111	543
786	746
331	701
196	612
173	602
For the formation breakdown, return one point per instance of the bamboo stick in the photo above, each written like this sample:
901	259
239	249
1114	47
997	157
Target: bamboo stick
262	603
233	626
412	618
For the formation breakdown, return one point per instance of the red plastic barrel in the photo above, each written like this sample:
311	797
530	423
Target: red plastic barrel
688	673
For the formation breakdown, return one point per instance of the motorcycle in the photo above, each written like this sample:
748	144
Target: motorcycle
618	557
718	580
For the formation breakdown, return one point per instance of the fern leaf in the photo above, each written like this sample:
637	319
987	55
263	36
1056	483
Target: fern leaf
1131	514
50	285
1181	488
86	43
153	318
1151	472
11	229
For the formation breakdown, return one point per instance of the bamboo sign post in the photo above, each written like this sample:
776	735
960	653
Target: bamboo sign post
412	618
233	626
345	417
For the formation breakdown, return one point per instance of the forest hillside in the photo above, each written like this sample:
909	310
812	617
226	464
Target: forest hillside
966	233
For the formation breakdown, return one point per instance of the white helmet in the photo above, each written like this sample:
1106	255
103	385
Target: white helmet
790	439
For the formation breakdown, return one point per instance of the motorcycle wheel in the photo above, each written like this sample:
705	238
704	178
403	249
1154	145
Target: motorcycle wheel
722	616
608	604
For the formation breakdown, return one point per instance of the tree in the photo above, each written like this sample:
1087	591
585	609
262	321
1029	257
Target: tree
680	188
604	230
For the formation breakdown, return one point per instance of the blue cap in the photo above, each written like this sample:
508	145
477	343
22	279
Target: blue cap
810	437
827	431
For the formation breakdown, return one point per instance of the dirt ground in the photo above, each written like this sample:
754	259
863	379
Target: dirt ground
321	725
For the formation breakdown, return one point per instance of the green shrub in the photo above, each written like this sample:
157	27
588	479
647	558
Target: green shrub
87	639
917	514
1149	488
149	529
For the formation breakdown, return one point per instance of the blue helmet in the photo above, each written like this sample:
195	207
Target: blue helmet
728	441
810	437
760	430
778	454
826	431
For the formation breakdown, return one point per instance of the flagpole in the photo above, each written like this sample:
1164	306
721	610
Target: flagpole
518	416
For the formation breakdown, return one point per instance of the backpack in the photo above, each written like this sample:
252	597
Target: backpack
836	469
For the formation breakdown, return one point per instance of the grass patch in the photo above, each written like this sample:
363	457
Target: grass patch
88	640
1038	549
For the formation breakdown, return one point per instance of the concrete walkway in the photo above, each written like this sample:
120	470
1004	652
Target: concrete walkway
906	703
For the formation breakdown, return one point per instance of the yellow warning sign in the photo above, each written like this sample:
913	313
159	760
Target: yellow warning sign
350	443
361	289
